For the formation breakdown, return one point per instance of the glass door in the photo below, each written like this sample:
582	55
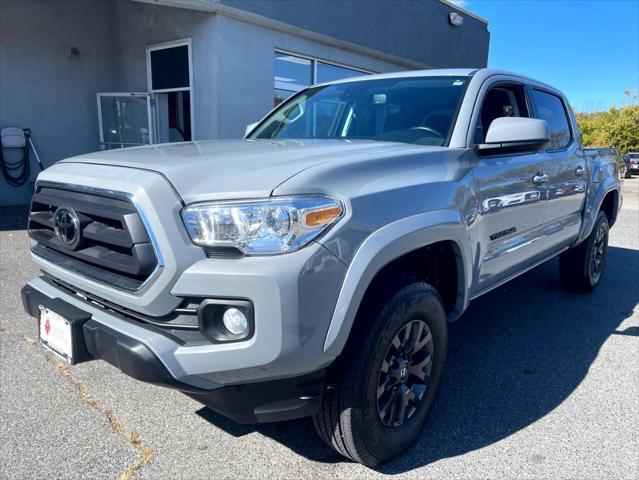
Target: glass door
125	119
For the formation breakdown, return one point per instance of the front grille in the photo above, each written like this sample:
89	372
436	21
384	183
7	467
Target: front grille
113	246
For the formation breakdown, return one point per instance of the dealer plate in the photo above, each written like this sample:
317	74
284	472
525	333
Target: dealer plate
56	334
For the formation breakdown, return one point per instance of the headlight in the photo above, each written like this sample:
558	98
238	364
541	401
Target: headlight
263	227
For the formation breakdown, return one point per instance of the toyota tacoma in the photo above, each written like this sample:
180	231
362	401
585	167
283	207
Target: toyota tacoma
312	268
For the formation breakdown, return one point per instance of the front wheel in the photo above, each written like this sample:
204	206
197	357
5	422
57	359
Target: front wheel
581	268
380	394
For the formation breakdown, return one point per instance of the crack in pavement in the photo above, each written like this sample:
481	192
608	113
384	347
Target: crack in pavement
116	424
145	452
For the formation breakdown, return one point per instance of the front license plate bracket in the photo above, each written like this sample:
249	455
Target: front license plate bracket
74	318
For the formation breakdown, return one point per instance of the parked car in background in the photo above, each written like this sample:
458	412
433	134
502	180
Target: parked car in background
312	268
631	160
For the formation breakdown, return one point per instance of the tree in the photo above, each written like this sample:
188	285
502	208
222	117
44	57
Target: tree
618	127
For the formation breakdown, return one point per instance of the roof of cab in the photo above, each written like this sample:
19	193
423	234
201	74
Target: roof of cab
483	73
445	72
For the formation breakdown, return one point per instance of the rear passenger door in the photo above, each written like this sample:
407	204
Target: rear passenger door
511	205
566	168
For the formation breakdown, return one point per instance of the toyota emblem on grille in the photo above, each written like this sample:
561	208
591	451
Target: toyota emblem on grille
67	227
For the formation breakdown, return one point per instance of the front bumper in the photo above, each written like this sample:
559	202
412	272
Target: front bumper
274	400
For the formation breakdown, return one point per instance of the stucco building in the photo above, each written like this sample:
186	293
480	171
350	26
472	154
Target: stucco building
84	75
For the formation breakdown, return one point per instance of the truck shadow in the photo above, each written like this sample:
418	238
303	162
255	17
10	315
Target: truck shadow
515	355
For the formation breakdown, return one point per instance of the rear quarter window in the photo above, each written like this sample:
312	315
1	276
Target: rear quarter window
551	108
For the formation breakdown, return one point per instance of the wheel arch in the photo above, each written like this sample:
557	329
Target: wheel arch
387	245
610	205
607	197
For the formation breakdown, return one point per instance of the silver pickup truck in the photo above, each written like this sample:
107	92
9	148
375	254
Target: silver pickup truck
311	269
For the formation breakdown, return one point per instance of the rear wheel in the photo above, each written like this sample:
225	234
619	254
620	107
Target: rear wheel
581	268
381	392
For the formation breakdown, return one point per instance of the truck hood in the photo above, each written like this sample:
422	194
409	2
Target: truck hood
232	169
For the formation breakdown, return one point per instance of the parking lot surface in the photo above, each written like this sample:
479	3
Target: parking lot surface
539	384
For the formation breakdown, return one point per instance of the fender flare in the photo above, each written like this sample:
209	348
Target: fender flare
594	205
387	244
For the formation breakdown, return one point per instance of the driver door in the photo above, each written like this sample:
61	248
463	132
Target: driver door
511	205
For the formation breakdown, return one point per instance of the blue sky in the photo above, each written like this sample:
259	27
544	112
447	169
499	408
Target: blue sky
589	49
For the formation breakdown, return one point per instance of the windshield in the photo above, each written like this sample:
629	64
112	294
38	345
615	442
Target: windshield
418	110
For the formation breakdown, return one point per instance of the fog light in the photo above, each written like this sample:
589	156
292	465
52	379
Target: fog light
235	321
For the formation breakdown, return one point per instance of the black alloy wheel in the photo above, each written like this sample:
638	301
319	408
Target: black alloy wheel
405	374
598	254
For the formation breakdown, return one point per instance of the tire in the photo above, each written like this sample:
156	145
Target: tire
349	419
581	268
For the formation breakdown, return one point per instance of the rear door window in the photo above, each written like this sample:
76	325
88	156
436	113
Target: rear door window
551	108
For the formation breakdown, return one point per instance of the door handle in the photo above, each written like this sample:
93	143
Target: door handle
540	178
580	170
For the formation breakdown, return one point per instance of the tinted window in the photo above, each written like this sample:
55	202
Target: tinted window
410	110
500	101
550	108
170	68
294	73
291	72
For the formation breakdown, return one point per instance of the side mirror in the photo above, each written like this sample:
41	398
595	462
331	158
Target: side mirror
516	134
249	128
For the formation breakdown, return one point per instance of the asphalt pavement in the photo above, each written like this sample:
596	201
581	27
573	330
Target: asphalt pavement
539	384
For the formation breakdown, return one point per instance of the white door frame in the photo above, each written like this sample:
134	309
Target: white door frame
126	94
163	46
